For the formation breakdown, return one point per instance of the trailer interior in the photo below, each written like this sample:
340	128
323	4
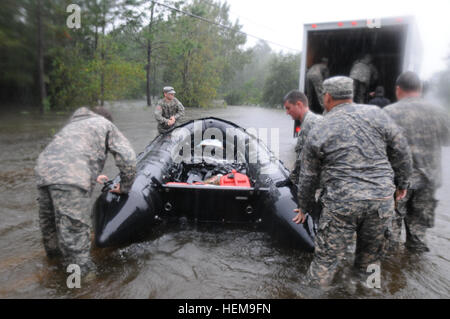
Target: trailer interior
342	47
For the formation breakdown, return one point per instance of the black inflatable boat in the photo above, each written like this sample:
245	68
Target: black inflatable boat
205	171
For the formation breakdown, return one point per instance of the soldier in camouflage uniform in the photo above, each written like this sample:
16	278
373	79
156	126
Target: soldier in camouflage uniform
168	110
427	128
314	82
364	75
359	158
296	105
66	173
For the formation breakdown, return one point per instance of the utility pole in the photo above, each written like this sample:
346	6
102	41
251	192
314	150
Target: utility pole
41	71
149	54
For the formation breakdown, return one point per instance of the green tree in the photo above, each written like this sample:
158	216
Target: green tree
124	48
248	83
200	54
145	33
440	85
283	78
20	54
92	65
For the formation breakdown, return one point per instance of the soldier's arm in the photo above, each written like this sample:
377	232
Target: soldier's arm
298	149
295	172
293	176
399	154
158	115
309	175
307	126
180	112
124	156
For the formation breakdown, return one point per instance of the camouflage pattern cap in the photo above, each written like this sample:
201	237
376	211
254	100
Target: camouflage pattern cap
169	89
339	87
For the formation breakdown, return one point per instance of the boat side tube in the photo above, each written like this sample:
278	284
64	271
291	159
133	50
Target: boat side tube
124	218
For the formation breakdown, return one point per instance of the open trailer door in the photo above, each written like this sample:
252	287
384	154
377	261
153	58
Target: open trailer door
393	43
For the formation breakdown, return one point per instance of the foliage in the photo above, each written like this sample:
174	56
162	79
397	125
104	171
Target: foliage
248	83
46	105
16	57
248	93
283	78
202	56
118	54
440	85
123	79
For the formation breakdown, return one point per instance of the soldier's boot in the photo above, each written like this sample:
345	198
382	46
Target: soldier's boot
321	274
415	238
418	219
88	271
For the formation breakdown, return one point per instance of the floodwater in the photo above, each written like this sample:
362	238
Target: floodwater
192	262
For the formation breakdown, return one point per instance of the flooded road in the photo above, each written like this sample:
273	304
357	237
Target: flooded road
194	262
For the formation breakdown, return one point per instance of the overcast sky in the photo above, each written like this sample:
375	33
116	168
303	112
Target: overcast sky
281	21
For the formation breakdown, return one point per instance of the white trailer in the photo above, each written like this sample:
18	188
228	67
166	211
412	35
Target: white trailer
393	43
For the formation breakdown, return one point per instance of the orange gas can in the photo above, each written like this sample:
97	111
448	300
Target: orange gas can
235	179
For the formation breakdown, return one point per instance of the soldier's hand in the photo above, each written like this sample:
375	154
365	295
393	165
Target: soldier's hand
400	194
115	189
300	218
102	179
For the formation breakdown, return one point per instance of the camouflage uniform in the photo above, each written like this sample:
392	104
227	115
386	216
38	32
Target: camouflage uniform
309	121
427	129
314	83
364	74
338	223
357	156
164	110
64	221
66	174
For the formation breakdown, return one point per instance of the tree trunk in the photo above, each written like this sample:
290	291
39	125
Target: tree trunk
102	56
149	56
95	36
41	71
147	69
185	74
